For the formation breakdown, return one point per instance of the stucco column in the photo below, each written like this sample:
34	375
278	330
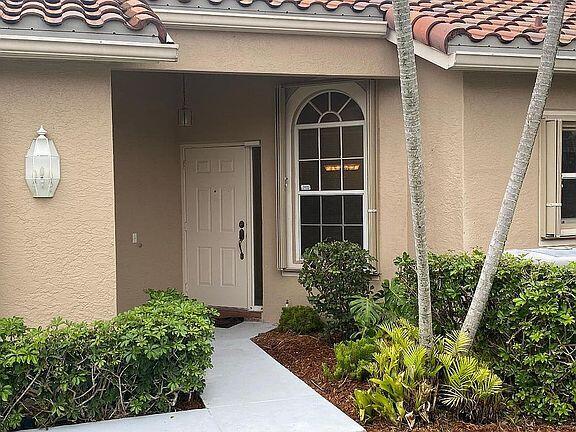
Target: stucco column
57	255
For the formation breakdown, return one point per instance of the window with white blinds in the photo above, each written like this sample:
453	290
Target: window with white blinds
558	171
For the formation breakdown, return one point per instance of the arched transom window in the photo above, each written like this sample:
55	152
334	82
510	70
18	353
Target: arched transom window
330	148
330	107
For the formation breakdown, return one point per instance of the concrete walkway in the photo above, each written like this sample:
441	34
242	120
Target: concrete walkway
246	391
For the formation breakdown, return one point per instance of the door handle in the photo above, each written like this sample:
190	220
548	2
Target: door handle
241	237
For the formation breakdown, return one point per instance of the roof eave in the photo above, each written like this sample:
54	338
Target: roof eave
185	18
486	58
40	47
445	61
489	58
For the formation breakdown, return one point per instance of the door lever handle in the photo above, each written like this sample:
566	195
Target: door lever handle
241	237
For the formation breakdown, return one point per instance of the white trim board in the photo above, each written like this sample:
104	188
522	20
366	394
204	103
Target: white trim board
486	58
503	58
85	49
198	19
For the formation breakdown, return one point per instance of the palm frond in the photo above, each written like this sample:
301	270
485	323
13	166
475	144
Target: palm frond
457	343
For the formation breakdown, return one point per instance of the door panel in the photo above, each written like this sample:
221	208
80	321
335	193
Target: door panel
215	202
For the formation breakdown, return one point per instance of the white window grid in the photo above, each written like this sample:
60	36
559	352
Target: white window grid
341	191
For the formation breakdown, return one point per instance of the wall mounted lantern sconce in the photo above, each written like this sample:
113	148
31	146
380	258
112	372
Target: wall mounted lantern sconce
42	166
184	113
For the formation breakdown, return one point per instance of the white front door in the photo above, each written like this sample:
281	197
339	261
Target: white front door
215	217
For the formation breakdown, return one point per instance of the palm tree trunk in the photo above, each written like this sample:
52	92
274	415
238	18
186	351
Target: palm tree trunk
531	125
412	130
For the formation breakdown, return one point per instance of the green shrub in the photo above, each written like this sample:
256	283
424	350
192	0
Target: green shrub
352	359
136	363
528	332
407	380
389	304
368	312
332	274
300	320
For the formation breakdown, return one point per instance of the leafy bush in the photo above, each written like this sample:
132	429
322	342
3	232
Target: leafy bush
368	313
136	363
332	274
398	300
300	320
528	331
352	359
407	379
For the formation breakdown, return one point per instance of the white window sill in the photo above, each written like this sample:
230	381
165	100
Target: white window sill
557	241
290	272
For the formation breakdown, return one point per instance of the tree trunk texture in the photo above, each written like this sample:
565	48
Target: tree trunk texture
412	130
531	125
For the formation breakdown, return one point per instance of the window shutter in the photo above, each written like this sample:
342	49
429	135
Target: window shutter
551	159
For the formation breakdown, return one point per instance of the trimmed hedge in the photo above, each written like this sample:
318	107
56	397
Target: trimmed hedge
136	363
528	333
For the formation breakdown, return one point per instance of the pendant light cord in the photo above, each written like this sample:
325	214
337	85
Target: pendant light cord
184	90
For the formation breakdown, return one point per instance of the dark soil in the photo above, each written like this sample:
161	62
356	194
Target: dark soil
303	355
189	402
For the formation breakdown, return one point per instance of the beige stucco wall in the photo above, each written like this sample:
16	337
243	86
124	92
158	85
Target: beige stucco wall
241	108
494	108
57	255
393	203
147	184
66	256
441	96
225	108
282	54
471	124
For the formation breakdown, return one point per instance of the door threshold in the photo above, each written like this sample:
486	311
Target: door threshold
232	312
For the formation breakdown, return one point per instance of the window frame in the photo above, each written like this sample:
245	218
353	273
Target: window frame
337	192
552	226
290	101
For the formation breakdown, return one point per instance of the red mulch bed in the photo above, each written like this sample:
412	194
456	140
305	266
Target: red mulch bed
303	356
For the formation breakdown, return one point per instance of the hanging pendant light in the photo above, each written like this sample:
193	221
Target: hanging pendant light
184	113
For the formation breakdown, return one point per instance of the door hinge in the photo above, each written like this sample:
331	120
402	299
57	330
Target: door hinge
553	204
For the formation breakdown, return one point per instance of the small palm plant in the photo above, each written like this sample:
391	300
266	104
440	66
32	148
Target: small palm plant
408	380
468	387
471	388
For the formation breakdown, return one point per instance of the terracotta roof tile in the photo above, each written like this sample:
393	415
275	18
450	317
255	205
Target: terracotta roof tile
436	23
134	14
